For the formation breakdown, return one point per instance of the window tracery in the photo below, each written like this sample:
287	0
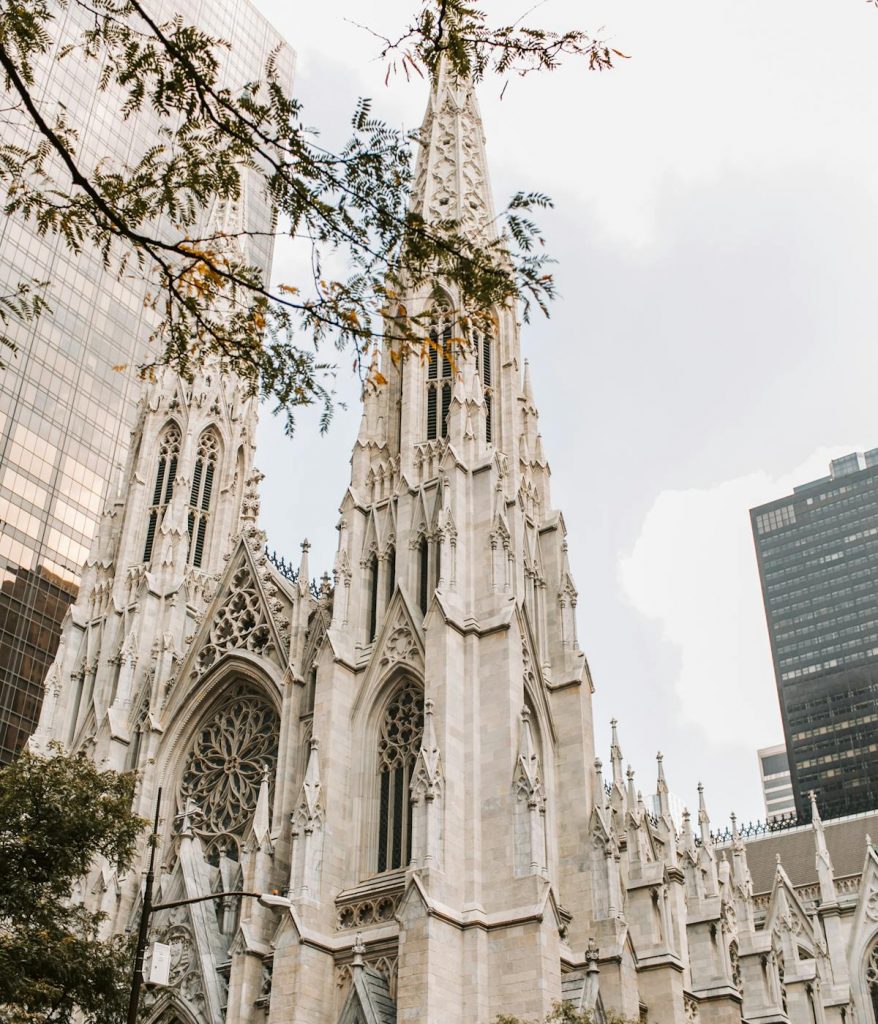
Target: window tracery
399	742
735	962
224	769
203	471
163	491
240	622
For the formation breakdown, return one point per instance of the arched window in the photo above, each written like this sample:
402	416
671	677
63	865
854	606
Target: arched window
223	770
402	729
372	571
169	453
391	571
199	498
439	377
423	574
482	342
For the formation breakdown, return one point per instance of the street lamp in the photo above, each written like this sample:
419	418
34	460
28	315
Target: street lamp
265	899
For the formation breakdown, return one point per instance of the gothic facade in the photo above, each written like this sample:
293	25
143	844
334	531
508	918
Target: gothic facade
404	753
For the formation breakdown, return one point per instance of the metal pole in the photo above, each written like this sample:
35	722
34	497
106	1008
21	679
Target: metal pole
137	978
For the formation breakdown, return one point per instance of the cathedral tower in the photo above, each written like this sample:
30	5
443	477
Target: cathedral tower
400	759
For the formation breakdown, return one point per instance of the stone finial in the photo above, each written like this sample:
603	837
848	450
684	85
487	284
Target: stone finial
703	817
250	500
615	753
262	813
600	792
358	949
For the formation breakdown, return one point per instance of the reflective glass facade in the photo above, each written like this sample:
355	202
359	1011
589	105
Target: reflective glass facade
817	551
65	413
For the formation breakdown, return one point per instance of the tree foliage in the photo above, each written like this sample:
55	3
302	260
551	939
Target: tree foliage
56	814
148	216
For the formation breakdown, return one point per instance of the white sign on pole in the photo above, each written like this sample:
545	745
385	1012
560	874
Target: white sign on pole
160	964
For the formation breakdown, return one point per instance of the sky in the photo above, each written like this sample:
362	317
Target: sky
716	231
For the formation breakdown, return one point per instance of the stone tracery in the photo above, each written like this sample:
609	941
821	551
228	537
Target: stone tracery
225	766
240	623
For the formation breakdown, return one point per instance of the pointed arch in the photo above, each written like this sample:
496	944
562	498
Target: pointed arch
240	473
204	469
170	1009
482	341
400	733
235	743
439	368
372	596
168	456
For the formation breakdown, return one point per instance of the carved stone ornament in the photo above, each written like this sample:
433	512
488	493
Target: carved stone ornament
400	647
185	974
224	769
690	1005
872	968
872	905
241	622
369	911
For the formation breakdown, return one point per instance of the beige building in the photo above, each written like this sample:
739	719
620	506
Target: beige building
405	753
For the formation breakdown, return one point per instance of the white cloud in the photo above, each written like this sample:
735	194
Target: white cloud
693	570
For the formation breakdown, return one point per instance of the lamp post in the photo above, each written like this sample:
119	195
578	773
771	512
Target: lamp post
149	908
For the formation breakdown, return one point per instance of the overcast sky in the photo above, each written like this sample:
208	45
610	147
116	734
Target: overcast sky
716	230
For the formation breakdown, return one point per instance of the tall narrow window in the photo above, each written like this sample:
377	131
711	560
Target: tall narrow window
163	491
372	570
423	574
482	341
391	572
439	379
199	497
310	692
398	745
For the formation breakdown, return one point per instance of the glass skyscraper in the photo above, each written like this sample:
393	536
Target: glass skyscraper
817	551
65	412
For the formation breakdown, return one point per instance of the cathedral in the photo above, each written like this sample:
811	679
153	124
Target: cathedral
402	755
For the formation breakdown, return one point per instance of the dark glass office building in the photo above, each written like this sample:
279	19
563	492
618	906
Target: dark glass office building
65	413
818	562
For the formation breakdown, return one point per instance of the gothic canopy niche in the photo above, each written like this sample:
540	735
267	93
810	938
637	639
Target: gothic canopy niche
228	756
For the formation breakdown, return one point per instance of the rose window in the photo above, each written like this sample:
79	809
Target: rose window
224	769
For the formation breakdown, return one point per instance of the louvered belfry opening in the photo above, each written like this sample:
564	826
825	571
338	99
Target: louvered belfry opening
166	471
399	742
200	495
372	570
439	377
423	574
482	343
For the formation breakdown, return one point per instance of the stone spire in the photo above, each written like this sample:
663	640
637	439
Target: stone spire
703	817
262	814
825	873
451	177
616	755
661	788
